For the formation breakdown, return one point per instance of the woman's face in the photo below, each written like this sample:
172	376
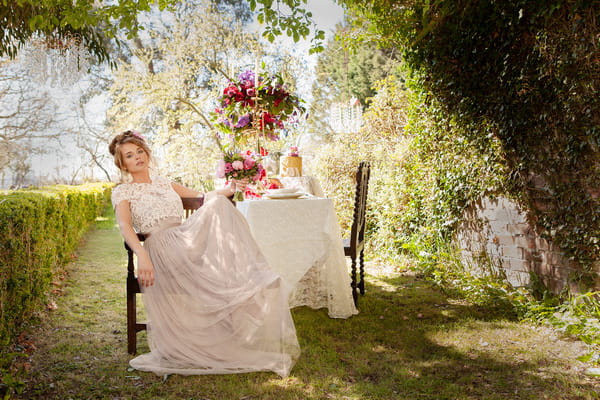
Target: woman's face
135	158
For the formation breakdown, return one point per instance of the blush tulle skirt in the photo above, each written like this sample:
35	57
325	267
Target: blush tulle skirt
215	307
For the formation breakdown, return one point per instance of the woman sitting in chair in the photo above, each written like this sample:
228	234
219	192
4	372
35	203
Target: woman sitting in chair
214	305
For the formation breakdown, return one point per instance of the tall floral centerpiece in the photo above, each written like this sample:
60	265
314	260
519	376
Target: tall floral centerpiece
253	110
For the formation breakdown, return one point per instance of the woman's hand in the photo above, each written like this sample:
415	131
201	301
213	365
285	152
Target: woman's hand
145	270
239	185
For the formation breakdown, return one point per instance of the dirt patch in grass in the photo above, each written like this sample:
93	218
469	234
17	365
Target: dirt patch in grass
410	341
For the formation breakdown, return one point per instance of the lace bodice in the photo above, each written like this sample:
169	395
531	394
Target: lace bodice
151	204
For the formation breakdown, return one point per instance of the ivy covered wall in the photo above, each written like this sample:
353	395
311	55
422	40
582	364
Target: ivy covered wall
504	101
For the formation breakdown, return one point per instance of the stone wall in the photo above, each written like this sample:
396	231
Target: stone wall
495	233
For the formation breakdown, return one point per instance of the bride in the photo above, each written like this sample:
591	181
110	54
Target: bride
214	305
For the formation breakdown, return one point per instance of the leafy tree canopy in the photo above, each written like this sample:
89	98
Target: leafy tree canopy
88	21
93	23
353	74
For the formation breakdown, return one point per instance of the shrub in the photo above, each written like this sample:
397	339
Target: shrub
40	229
513	83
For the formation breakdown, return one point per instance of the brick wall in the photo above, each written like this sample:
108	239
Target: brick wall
495	233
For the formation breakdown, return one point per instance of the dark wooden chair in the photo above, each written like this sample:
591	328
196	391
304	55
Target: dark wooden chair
355	244
190	204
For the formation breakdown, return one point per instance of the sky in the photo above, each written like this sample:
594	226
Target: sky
64	158
326	14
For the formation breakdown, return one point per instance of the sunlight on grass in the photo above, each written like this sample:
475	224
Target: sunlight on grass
409	341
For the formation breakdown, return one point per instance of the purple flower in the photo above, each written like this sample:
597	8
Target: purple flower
247	76
243	121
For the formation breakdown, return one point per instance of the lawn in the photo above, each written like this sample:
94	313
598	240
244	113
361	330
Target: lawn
410	341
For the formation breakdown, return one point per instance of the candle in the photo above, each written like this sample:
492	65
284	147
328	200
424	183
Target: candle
256	73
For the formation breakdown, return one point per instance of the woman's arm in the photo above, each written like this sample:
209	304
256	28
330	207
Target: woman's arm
145	269
228	191
183	191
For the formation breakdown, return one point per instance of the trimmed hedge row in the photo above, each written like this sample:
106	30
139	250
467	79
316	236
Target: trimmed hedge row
39	230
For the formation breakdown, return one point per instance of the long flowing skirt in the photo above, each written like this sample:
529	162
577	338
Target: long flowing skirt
215	307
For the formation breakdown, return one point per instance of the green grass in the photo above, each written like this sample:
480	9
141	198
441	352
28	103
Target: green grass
410	341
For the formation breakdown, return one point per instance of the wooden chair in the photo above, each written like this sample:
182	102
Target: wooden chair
354	246
190	204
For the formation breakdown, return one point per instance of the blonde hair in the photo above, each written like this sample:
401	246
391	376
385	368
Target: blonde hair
127	137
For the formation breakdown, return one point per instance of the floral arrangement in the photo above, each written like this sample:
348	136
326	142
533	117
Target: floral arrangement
256	107
241	165
294	151
137	134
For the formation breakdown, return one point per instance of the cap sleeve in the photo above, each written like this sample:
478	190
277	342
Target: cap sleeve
119	194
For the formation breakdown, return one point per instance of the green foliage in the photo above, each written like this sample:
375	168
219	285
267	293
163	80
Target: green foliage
343	74
380	142
96	23
58	20
9	384
513	83
40	229
297	24
353	73
576	316
424	171
520	72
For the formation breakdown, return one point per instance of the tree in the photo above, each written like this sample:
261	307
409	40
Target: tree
64	23
167	91
27	117
353	73
59	22
344	75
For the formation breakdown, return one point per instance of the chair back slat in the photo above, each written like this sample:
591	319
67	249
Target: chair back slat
191	204
357	232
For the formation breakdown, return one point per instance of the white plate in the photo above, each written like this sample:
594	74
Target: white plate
283	195
281	191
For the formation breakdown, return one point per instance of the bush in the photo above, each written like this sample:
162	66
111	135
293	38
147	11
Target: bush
509	88
40	229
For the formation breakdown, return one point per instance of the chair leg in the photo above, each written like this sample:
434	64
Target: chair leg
353	283
131	324
361	283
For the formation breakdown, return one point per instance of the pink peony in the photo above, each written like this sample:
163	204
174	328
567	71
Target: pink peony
237	165
249	163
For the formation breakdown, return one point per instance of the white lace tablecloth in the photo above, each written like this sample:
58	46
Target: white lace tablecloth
301	240
305	184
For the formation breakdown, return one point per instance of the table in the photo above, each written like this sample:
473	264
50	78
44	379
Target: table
301	240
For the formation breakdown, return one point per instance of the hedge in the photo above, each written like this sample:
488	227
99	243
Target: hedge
39	230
